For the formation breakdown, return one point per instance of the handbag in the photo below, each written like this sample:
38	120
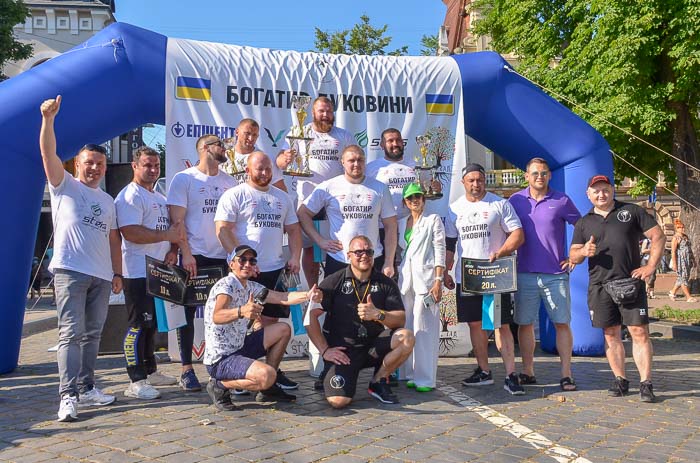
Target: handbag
624	290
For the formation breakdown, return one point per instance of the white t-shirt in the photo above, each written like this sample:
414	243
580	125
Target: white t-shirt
324	157
352	209
137	206
260	218
82	219
241	162
395	175
200	193
481	227
222	340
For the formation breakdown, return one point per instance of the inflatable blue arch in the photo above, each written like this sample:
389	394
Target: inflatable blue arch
115	81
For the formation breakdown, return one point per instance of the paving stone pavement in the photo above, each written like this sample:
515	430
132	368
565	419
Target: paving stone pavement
450	424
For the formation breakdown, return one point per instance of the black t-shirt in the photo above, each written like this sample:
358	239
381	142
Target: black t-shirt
616	238
343	326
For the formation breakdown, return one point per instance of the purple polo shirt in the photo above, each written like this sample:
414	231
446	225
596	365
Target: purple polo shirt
544	225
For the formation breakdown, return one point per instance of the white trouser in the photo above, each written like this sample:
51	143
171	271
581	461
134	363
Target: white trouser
421	366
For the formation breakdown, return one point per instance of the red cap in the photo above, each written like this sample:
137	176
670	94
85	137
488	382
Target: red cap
598	178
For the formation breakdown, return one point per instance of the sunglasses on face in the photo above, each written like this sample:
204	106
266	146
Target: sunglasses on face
248	260
94	147
363	252
218	143
542	174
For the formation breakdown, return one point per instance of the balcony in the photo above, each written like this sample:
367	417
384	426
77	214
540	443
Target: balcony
504	178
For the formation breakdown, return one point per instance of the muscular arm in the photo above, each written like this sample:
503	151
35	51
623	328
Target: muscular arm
115	252
294	240
177	218
391	235
226	232
142	235
307	224
515	239
53	167
313	330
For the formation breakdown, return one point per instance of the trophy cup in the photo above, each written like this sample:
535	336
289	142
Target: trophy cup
426	165
234	167
298	139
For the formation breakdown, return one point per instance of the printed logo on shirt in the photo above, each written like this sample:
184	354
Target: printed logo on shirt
473	217
374	288
267	213
624	216
96	209
356	206
347	287
325	149
337	382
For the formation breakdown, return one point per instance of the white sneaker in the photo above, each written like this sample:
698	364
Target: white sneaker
142	390
95	397
159	379
67	410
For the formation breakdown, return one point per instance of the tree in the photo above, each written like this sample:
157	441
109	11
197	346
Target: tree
636	64
364	39
430	45
12	12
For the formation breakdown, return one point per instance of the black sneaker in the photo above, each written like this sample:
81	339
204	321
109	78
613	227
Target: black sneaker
221	398
284	382
382	392
619	387
274	394
512	385
646	392
478	378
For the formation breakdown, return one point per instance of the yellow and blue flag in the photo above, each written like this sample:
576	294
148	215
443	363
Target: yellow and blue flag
436	103
193	88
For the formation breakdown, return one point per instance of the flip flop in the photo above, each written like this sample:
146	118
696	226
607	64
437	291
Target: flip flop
567	384
526	379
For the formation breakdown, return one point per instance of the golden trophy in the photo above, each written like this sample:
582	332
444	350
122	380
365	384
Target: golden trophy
425	168
299	139
234	167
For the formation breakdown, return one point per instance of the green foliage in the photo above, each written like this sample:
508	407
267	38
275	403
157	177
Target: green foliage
636	64
161	152
430	45
12	12
362	39
669	313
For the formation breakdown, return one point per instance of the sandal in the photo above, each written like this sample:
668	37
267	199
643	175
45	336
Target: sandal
691	299
526	379
672	296
567	384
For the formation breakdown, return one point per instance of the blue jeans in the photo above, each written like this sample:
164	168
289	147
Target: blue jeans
82	302
552	290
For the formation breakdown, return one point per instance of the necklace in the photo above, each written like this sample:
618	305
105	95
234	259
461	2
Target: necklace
361	330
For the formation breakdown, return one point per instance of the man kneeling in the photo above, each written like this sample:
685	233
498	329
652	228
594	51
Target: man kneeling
356	333
229	354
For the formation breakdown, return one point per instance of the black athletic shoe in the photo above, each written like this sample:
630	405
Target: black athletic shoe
646	392
284	382
393	380
221	398
619	387
512	385
274	394
382	392
478	378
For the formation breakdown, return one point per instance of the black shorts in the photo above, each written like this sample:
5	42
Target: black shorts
605	312
341	380
140	308
469	308
269	280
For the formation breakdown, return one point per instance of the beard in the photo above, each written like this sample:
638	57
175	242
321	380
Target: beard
261	181
394	156
323	126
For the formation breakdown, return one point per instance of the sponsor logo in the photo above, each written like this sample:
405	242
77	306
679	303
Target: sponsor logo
274	139
361	138
473	217
193	88
96	209
624	216
321	72
439	104
178	130
374	288
337	382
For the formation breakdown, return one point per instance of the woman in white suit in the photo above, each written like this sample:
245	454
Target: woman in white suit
420	280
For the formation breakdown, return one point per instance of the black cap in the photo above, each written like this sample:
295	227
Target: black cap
473	167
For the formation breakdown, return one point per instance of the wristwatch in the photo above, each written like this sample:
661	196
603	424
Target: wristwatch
382	316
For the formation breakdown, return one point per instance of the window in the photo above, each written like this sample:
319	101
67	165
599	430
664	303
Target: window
62	22
85	24
40	22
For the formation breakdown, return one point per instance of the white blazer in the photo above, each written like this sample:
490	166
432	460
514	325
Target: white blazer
426	251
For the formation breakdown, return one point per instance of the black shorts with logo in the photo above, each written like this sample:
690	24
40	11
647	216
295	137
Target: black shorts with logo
341	380
469	308
605	312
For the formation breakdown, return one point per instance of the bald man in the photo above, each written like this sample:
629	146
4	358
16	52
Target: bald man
258	214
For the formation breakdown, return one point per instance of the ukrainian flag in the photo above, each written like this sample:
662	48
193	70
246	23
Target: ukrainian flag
436	103
193	88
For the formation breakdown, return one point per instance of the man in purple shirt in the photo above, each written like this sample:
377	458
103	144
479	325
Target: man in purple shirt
543	268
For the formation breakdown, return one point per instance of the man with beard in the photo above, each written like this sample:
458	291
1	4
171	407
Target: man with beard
324	152
247	134
142	217
257	214
394	173
192	199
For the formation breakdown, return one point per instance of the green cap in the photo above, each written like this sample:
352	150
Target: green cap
412	189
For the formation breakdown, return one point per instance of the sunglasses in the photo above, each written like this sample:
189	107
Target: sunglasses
94	147
363	252
248	260
542	174
217	143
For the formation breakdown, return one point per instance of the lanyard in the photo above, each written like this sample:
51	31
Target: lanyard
357	295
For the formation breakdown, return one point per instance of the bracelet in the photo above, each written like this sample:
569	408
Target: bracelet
439	279
118	275
239	312
324	351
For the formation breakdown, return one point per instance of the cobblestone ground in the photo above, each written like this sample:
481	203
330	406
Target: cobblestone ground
450	424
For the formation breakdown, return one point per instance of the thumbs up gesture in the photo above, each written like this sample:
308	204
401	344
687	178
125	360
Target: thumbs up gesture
589	249
49	108
367	310
251	310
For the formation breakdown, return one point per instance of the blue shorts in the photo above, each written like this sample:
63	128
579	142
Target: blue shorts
235	366
551	289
